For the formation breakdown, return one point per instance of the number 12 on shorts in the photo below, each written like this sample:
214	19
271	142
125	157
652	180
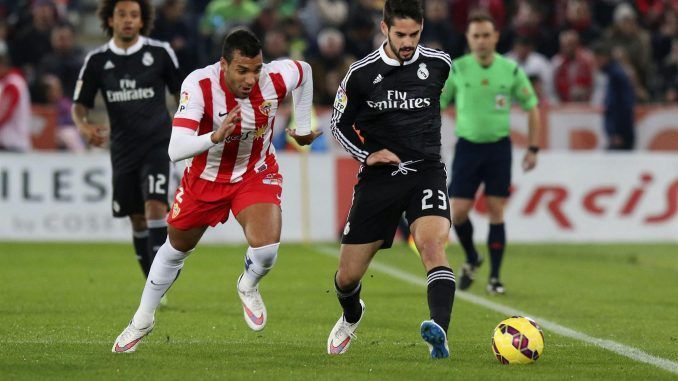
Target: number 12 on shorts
428	194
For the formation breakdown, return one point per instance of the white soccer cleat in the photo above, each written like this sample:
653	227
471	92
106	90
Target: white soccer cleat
436	339
342	334
253	307
129	339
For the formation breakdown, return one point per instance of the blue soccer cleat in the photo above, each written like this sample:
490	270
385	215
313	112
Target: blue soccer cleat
436	339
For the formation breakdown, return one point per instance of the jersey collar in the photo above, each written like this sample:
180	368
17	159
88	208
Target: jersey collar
393	62
131	50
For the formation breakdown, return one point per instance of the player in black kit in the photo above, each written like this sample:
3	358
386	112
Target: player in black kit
387	115
132	72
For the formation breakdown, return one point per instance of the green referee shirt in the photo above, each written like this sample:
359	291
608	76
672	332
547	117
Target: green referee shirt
483	96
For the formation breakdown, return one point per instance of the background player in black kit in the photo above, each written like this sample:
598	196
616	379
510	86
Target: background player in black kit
391	98
132	73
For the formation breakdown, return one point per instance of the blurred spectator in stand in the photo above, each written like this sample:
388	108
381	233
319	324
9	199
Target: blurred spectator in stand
360	35
268	19
619	101
220	17
172	26
536	66
530	20
296	37
68	137
438	32
66	58
318	14
668	71
30	43
285	8
577	16
15	107
662	40
276	45
329	66
572	70
626	34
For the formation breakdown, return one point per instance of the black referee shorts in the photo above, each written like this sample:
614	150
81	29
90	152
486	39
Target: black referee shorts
150	181
475	163
383	194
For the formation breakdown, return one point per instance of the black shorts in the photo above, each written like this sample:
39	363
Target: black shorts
150	181
475	163
382	195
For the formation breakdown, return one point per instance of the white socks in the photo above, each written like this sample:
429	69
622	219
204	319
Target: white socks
258	262
165	269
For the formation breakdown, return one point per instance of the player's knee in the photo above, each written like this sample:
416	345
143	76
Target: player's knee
263	257
138	222
345	280
181	244
431	249
459	217
155	210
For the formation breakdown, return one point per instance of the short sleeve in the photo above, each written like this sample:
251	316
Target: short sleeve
88	83
171	74
291	72
449	89
191	104
523	91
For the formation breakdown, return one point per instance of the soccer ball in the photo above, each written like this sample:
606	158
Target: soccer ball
517	340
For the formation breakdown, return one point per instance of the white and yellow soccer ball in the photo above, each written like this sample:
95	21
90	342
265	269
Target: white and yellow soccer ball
518	340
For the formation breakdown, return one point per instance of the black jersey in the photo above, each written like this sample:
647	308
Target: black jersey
382	103
132	83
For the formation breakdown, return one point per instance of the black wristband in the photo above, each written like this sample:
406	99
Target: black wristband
533	149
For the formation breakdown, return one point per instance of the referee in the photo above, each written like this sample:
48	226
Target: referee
483	85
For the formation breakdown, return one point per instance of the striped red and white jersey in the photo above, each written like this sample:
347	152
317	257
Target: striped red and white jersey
204	103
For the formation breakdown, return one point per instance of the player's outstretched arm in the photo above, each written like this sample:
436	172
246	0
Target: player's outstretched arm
95	134
185	144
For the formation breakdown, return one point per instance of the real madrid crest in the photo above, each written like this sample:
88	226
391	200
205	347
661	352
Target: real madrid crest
422	72
147	59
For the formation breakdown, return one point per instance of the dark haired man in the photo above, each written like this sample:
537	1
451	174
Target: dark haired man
132	72
483	85
224	125
391	98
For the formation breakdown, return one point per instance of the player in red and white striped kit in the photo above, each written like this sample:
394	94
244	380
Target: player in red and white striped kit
224	127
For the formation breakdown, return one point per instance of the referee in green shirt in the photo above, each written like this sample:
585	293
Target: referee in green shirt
483	85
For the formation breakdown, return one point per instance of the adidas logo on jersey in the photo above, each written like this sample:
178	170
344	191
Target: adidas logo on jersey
108	65
378	79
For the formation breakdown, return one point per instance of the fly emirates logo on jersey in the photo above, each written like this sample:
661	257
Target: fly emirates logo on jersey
398	100
129	92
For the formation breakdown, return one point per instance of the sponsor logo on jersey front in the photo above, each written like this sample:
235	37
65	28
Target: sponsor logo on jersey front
399	100
129	92
147	59
257	133
422	72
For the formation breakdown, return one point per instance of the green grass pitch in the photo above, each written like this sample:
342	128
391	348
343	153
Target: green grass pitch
62	305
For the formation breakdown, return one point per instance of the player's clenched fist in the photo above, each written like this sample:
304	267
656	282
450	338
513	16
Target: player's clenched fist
227	126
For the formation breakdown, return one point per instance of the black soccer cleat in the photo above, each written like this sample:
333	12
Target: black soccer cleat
495	287
468	273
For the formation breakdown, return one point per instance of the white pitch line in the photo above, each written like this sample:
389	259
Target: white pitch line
613	346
